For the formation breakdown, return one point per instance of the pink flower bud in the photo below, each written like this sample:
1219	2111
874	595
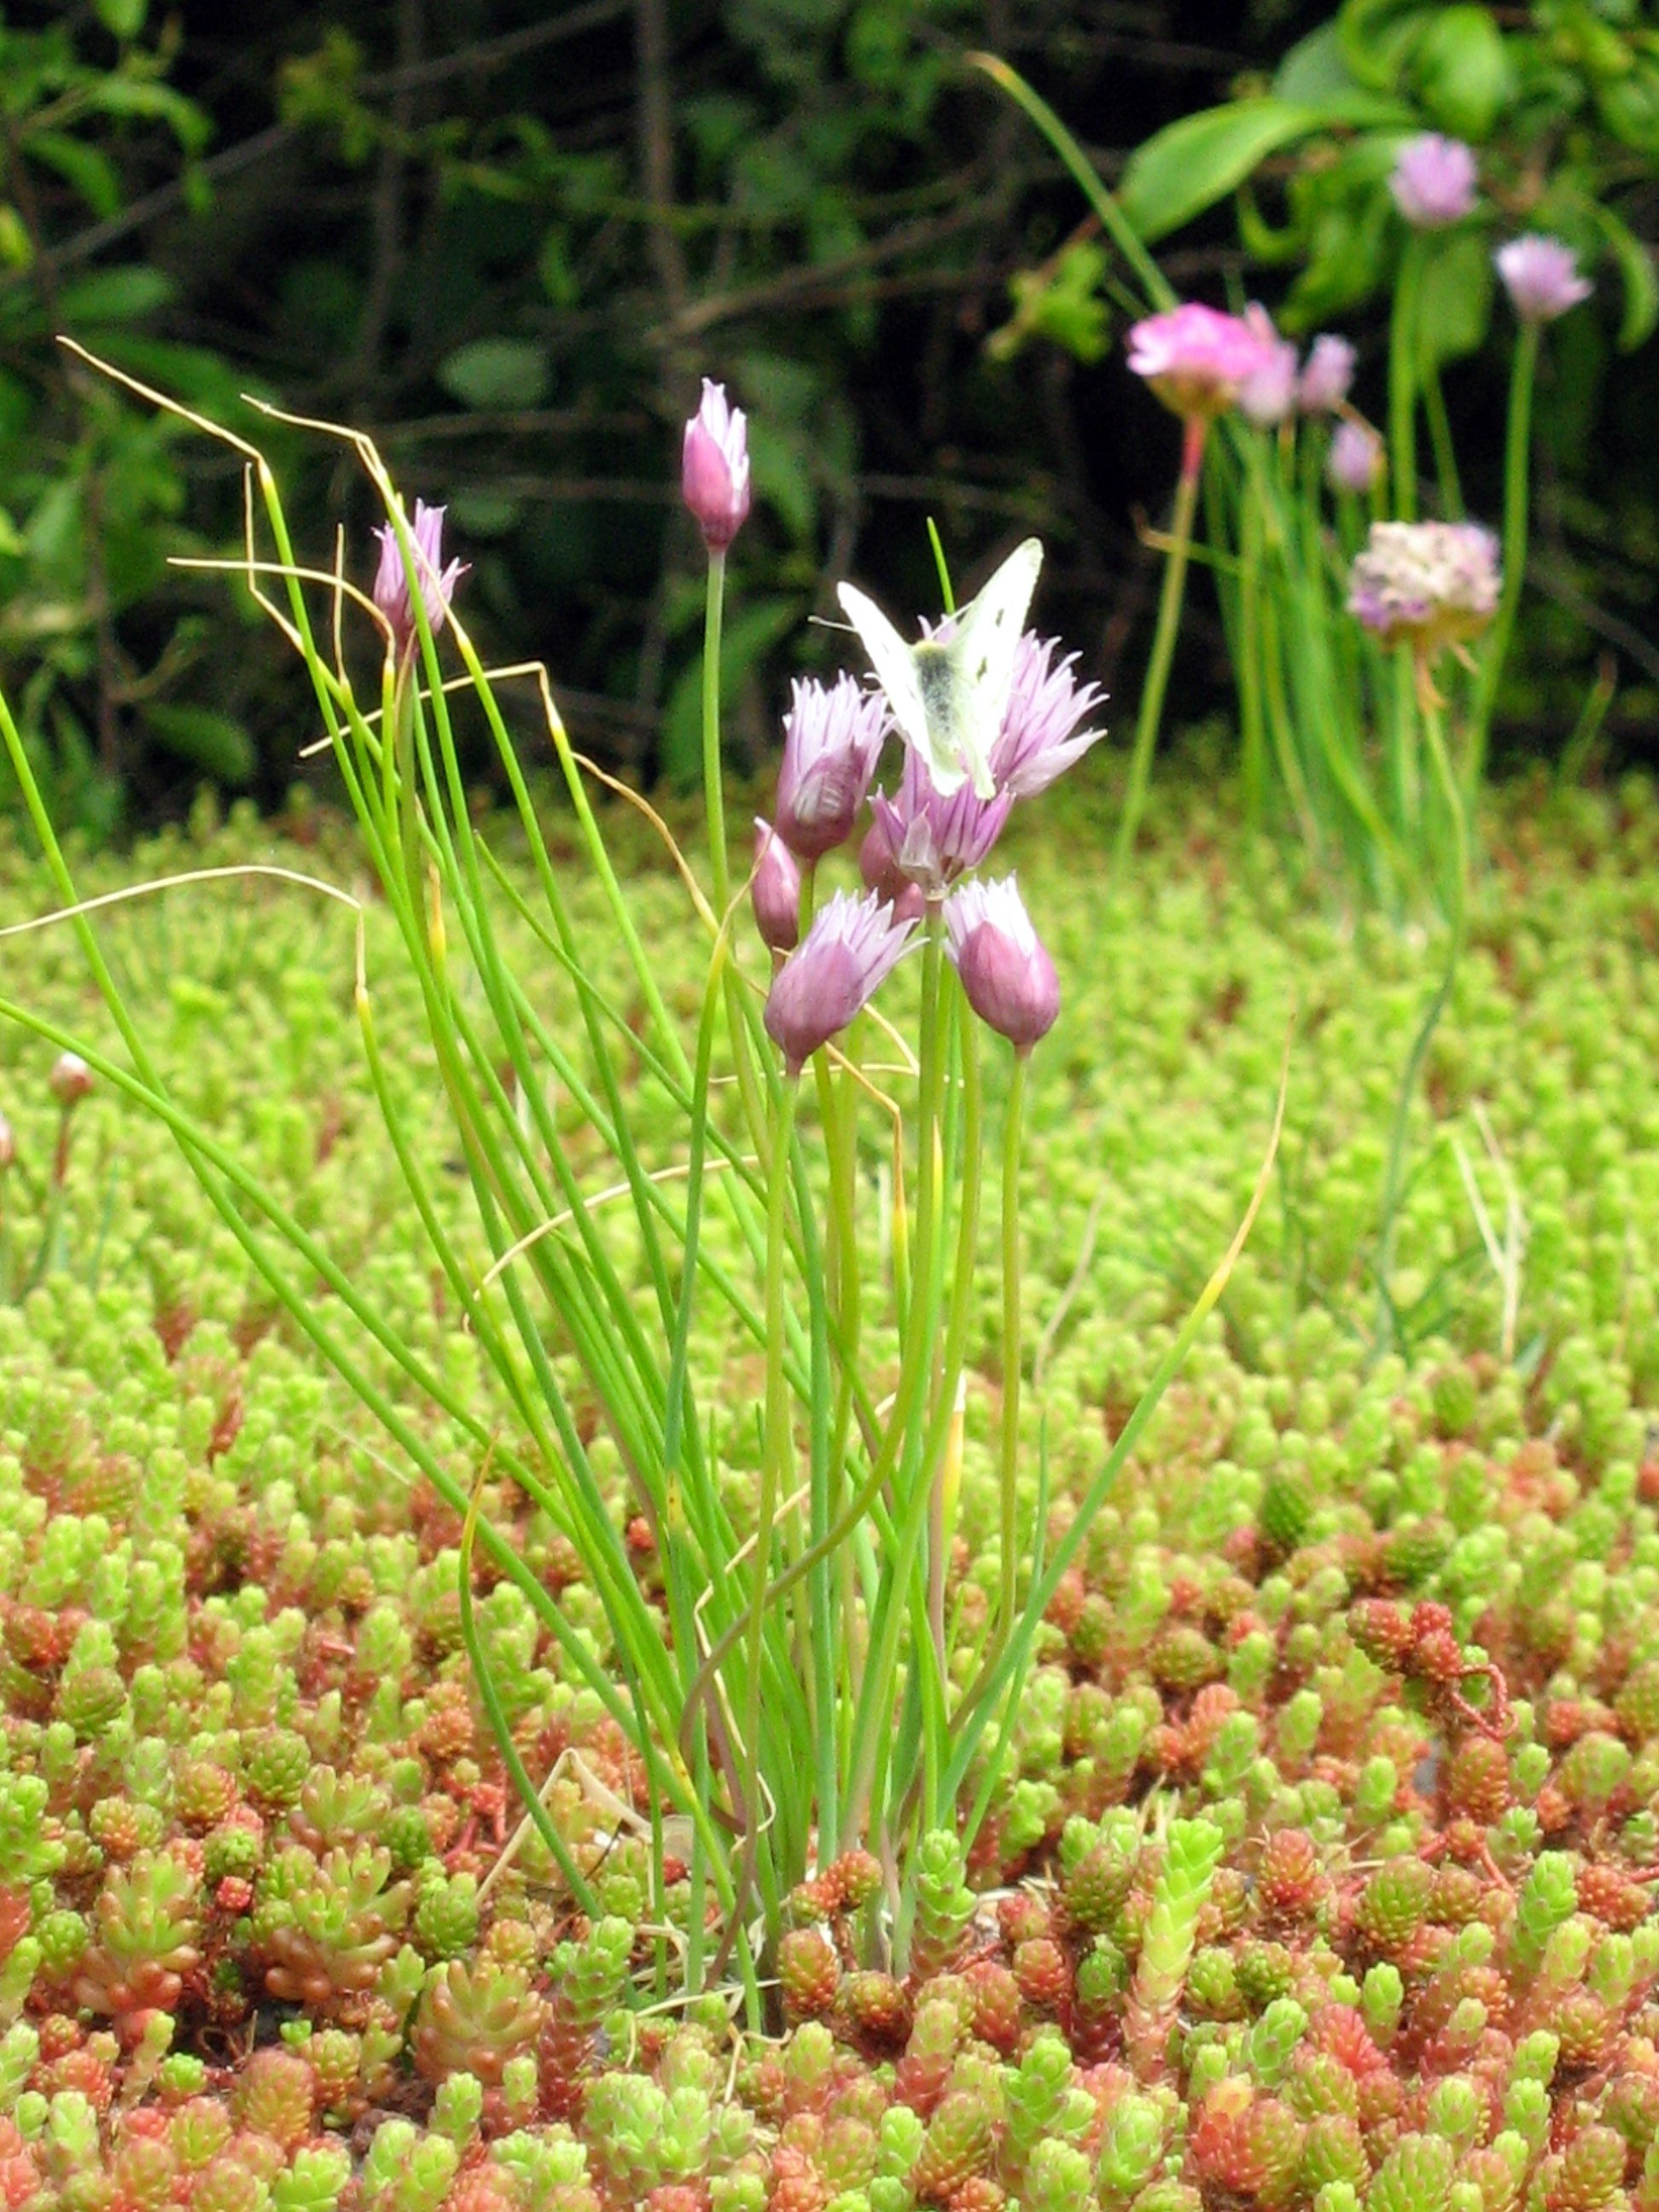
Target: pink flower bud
1540	275
831	741
714	468
70	1080
1327	375
390	591
1005	971
850	948
774	890
1355	460
1433	181
1268	392
1195	358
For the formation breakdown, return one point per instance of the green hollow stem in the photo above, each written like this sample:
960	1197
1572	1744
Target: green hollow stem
1434	735
1402	379
1518	454
1008	1458
713	789
1163	640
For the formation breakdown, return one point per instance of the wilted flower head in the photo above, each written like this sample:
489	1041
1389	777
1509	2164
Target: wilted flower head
1355	460
831	740
1327	375
714	468
851	948
391	593
1268	392
1540	275
1196	359
774	890
70	1080
1430	583
1005	971
1040	738
933	839
1433	181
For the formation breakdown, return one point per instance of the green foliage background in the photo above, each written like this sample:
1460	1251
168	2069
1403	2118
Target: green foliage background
507	237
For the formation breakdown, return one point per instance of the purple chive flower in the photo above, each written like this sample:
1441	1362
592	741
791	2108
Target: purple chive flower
774	890
1540	275
849	951
1433	181
1195	358
390	591
831	740
714	468
1429	583
1040	738
1355	460
1268	392
883	875
932	840
1006	973
1326	375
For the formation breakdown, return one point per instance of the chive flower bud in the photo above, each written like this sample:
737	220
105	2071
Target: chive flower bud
70	1080
1433	181
1005	968
1540	275
1196	359
851	948
1327	375
1268	392
714	468
390	593
774	890
831	740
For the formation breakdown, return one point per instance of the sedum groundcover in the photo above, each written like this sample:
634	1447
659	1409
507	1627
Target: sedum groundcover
1324	1876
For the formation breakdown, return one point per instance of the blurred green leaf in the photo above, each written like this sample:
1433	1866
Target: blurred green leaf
493	372
115	295
1460	72
1190	165
203	739
1454	304
125	18
1635	273
1378	38
86	169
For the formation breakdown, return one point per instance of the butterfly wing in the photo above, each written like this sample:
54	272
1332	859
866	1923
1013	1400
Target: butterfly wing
982	652
898	673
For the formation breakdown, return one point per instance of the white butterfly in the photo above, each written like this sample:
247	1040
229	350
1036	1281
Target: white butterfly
949	697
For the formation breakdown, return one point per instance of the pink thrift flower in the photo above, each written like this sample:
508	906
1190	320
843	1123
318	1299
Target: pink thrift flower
390	591
1195	358
1540	275
1268	393
1433	181
1355	460
1006	973
714	468
1429	583
831	740
933	840
775	891
851	948
1326	375
1040	738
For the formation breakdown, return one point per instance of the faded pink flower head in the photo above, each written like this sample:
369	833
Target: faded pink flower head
714	468
1040	738
390	593
1005	971
850	950
1196	359
775	891
1327	375
831	741
70	1079
1433	181
1430	583
1540	275
933	840
1268	393
1355	460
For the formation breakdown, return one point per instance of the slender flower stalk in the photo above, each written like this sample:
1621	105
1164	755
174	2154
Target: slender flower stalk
1013	1124
713	781
1170	597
